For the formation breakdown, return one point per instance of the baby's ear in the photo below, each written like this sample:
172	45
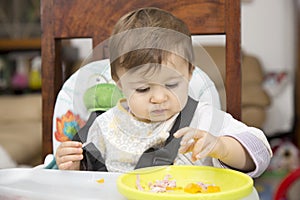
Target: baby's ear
192	68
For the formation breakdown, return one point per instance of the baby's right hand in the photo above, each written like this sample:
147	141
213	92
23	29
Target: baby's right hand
68	155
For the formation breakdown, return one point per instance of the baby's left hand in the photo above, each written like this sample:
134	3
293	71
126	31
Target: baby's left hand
200	143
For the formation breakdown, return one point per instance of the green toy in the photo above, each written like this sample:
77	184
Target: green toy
102	97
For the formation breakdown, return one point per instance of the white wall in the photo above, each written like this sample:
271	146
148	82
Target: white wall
268	31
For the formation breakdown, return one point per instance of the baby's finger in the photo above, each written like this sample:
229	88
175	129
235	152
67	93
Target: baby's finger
70	144
181	132
189	137
187	147
204	146
65	166
68	151
71	165
68	158
199	151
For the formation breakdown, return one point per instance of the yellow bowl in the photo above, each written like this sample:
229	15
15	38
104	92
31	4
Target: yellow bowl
234	185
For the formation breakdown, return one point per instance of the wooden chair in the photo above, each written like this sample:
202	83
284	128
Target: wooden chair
64	19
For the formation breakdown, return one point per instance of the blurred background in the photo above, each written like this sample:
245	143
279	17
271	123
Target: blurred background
270	68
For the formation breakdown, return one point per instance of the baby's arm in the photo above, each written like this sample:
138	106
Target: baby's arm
225	148
68	155
232	153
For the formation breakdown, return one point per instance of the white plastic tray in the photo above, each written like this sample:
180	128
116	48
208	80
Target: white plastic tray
49	184
43	184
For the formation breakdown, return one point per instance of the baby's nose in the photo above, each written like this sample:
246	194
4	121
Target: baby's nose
158	94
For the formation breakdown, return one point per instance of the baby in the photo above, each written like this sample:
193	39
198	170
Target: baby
151	59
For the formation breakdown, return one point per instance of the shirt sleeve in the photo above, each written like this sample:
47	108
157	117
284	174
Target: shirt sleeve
258	151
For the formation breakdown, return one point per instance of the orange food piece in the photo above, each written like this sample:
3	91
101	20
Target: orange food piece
212	189
192	188
100	180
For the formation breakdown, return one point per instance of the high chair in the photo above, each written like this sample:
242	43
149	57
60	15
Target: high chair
64	19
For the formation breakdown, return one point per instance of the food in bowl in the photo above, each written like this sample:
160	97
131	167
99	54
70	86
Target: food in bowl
168	184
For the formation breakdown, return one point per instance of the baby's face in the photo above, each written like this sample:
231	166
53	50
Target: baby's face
156	94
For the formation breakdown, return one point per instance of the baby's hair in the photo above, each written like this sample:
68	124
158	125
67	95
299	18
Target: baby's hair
150	17
148	35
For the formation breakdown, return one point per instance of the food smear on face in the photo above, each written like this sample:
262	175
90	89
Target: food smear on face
168	184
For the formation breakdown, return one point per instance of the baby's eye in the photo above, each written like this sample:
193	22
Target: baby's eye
142	90
173	85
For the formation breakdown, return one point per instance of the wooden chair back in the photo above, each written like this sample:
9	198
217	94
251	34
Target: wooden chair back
64	19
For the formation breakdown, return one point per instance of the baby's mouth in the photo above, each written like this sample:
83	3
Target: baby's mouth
158	111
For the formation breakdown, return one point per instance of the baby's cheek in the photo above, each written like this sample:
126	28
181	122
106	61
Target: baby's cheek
181	95
137	106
